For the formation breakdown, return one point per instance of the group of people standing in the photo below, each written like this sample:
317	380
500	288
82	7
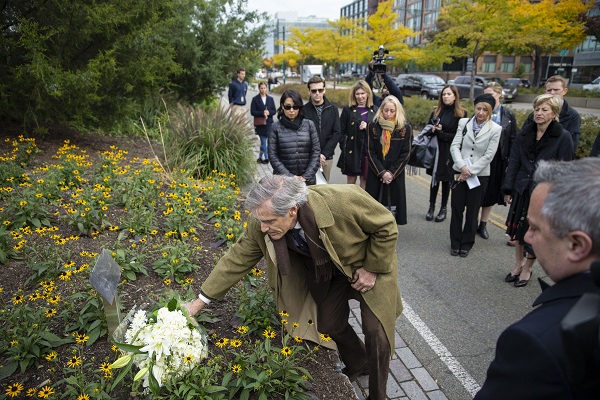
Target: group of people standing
480	159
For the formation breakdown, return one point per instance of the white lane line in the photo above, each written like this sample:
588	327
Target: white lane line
451	362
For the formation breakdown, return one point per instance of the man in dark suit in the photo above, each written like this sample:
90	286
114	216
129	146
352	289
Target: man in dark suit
564	221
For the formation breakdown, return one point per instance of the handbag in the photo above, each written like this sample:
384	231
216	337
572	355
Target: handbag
422	154
260	121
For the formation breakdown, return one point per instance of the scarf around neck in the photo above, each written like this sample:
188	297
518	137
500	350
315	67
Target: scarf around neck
294	125
318	253
386	137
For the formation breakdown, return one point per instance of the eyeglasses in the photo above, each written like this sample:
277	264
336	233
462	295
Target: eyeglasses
314	91
289	107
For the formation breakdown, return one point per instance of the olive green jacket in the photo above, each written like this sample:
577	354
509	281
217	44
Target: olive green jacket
357	231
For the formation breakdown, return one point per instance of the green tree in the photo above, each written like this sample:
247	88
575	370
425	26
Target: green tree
99	63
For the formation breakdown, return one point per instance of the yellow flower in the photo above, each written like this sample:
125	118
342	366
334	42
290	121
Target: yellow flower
242	329
45	392
50	313
325	337
284	313
298	339
269	334
235	343
74	362
31	392
18	299
81	338
256	271
14	389
188	358
167	281
83	396
222	342
51	356
286	351
284	322
217	225
295	325
236	368
14	342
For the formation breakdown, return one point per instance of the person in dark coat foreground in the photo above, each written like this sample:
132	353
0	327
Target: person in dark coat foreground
564	230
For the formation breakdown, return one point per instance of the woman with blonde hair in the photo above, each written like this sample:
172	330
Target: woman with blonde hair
354	120
389	140
472	151
544	140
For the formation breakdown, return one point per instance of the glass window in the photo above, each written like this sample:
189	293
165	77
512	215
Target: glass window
489	64
508	64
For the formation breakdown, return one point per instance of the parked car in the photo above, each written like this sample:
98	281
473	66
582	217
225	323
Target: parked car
463	84
595	85
517	82
426	86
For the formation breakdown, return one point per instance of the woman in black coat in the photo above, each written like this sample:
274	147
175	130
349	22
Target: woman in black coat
263	105
294	148
544	140
448	112
389	140
354	120
504	117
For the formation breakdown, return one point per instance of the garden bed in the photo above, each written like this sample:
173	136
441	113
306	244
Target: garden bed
62	252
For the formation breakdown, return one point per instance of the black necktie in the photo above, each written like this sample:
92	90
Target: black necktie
299	240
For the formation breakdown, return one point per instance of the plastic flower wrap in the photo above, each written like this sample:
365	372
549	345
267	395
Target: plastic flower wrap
162	344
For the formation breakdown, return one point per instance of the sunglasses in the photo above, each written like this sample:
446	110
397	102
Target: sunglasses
313	91
289	107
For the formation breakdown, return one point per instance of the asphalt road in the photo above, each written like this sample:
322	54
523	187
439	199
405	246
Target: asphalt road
455	307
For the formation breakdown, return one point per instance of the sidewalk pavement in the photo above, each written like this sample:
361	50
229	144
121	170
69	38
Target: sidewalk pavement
408	378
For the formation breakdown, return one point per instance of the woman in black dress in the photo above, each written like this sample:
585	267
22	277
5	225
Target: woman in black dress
544	140
448	112
354	120
389	140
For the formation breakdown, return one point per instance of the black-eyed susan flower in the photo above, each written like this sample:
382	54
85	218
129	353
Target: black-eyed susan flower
18	299
51	356
256	271
298	339
295	325
236	368
75	361
269	334
188	359
45	392
13	390
31	392
286	351
81	338
242	329
235	343
284	313
83	396
325	337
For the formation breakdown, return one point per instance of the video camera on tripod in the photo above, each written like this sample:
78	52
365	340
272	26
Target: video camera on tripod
580	331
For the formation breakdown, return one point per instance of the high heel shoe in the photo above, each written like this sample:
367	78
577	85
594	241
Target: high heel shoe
523	282
511	278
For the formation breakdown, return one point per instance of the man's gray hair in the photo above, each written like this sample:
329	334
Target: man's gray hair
572	201
284	192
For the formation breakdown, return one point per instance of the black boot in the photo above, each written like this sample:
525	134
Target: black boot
429	215
482	230
441	215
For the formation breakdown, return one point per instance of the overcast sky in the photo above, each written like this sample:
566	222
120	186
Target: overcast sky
329	9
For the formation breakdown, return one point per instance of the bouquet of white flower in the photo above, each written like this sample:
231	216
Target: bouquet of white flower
162	344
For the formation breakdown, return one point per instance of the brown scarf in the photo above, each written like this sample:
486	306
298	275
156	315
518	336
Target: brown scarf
318	253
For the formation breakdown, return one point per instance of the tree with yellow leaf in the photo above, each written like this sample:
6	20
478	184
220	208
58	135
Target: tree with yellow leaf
545	27
467	29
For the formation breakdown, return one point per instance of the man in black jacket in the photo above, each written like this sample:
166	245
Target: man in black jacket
531	361
326	118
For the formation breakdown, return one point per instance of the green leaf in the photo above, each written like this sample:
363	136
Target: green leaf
130	348
8	369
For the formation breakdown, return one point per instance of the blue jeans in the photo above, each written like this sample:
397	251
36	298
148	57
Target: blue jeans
263	148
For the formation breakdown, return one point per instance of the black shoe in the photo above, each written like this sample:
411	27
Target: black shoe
523	282
511	278
482	230
463	253
429	215
441	215
354	376
265	161
258	160
454	252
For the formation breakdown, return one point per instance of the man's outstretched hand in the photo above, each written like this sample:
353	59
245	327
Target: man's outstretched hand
195	306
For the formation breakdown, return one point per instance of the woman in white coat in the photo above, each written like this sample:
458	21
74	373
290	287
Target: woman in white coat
472	150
